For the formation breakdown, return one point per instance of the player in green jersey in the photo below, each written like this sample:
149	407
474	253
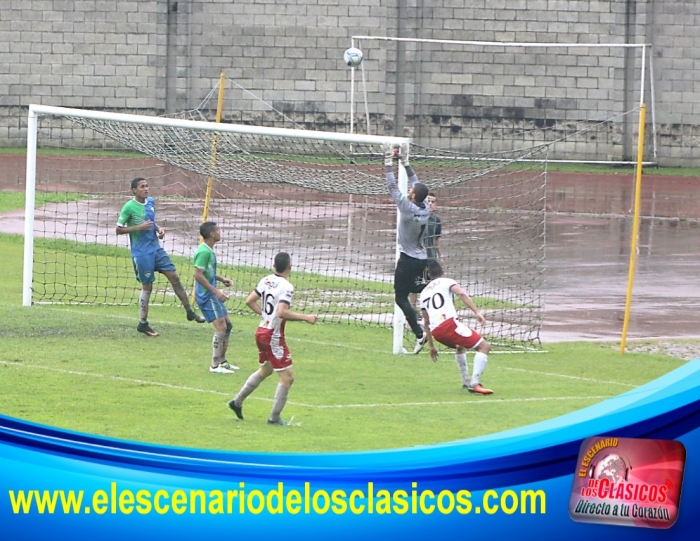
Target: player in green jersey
210	299
138	220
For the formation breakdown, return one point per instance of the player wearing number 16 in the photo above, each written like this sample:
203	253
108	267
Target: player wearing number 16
271	300
440	322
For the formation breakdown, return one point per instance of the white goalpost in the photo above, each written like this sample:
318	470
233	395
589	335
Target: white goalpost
273	190
582	99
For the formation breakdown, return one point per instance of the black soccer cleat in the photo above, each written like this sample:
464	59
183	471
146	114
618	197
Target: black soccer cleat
145	328
191	316
238	410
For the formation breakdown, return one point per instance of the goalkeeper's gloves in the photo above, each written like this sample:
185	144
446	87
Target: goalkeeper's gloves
403	154
388	150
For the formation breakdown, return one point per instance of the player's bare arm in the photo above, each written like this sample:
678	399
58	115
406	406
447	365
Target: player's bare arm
160	232
226	281
285	313
143	226
252	302
426	330
202	280
466	299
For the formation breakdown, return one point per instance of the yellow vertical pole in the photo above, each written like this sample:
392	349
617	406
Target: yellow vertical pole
635	227
212	163
215	139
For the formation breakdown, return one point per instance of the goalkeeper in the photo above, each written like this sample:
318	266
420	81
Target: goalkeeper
138	220
413	220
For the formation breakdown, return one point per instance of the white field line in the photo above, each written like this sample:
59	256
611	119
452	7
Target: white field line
460	402
300	404
121	378
447	356
555	375
184	325
288	338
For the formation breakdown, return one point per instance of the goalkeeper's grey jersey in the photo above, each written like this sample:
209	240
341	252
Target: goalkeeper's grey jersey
413	219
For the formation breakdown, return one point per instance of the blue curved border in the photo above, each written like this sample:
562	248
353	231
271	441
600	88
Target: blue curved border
539	456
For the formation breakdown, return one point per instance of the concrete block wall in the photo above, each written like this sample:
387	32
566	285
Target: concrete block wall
284	56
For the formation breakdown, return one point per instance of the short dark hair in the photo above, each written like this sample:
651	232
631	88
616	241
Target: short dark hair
434	269
135	182
420	192
431	194
282	261
206	229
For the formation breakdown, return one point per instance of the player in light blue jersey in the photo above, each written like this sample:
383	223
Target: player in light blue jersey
210	299
138	219
413	220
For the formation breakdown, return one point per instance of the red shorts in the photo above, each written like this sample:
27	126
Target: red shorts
452	333
272	349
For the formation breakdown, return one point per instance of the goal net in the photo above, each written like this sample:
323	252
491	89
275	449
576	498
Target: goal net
320	196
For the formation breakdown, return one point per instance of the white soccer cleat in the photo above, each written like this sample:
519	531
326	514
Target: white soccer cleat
221	369
230	366
420	342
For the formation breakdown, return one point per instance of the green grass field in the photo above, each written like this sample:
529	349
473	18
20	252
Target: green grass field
85	368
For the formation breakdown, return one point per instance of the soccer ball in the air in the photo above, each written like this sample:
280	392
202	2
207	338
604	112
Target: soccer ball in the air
353	57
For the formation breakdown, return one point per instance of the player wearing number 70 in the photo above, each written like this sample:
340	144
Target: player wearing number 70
271	300
440	322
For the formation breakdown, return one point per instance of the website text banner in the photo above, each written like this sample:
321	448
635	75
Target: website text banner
68	485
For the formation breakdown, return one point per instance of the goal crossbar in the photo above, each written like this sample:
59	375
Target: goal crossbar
35	110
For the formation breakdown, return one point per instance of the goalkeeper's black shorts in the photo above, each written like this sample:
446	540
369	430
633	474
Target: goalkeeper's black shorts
409	276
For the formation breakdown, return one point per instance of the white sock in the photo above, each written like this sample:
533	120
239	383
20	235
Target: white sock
248	387
280	400
224	346
461	359
217	346
144	298
480	360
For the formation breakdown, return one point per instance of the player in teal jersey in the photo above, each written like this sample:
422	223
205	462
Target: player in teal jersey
138	219
210	299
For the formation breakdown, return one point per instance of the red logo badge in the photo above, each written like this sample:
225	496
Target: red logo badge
628	482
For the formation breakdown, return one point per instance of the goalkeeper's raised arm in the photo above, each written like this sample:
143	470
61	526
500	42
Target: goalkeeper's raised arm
413	219
404	202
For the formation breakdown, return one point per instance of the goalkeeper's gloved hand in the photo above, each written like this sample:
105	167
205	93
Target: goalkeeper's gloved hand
403	154
388	150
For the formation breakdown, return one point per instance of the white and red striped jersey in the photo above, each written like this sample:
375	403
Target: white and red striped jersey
437	300
273	289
